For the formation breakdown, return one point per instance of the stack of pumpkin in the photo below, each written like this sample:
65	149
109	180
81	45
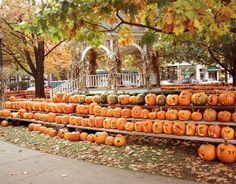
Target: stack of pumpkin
224	152
51	132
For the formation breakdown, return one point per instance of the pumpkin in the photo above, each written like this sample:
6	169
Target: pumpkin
191	129
107	123
172	114
199	99
91	107
83	136
52	133
31	126
172	99
212	100
152	115
161	100
60	107
37	127
46	130
224	116
109	140
233	117
72	120
138	126
202	130
112	99
84	122
64	119
130	126
184	115
4	123
132	100
207	152
100	137
72	99
78	121
82	109
61	133
69	108
88	99
97	99
179	128
66	97
58	119
119	140
80	99
214	131
168	128
91	121
136	111
99	122
42	130
144	114
51	117
21	112
196	116
226	153
58	98
209	115
140	99
7	113
120	123
227	133
103	111
150	99
126	113
123	99
227	98
35	106
185	97
90	137
109	112
77	135
97	110
147	126
117	112
113	123
104	98
161	115
157	127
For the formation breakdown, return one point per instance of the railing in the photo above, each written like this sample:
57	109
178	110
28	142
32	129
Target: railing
130	79
97	80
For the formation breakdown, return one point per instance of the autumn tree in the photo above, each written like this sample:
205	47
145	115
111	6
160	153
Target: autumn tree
23	43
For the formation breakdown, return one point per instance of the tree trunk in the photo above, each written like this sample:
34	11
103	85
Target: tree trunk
234	73
39	75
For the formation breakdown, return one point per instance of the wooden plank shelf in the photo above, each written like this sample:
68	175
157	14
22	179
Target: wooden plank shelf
191	138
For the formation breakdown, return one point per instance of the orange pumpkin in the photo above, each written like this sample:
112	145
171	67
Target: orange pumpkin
107	123
58	98
109	112
161	115
72	120
132	100
209	115
136	111
172	99
226	153
184	115
97	99
185	97
4	123
172	114
84	122
51	117
109	140
224	116
150	99
97	110
147	126
123	99
58	119
120	123
113	123
91	121
103	111
144	114
78	121
88	99
212	100
168	128
90	137
99	122
179	128
157	127
66	97
117	112
64	119
52	133
61	133
31	126
233	117
227	98
91	107
196	116
227	133
202	130
82	109
130	126
126	113
152	115
139	126
214	131
83	136
207	152
191	129
119	140
21	112
100	137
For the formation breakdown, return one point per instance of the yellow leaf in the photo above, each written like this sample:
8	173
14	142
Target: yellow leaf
197	25
179	29
168	19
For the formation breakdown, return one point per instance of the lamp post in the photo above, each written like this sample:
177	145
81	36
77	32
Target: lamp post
1	36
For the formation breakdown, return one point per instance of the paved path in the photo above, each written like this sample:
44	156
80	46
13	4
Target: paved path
20	165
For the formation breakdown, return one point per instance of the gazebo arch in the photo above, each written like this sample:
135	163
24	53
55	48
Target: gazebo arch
109	53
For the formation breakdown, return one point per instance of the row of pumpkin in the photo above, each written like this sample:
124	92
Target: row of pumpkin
184	98
99	137
209	115
147	126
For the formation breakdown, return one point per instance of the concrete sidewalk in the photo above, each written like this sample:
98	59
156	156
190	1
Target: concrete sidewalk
20	165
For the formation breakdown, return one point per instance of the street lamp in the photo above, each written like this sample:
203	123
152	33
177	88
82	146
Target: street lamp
1	36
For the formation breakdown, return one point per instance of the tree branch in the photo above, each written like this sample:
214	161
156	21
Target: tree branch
29	61
53	48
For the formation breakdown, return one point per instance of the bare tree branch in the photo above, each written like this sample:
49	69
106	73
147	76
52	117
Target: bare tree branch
53	48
